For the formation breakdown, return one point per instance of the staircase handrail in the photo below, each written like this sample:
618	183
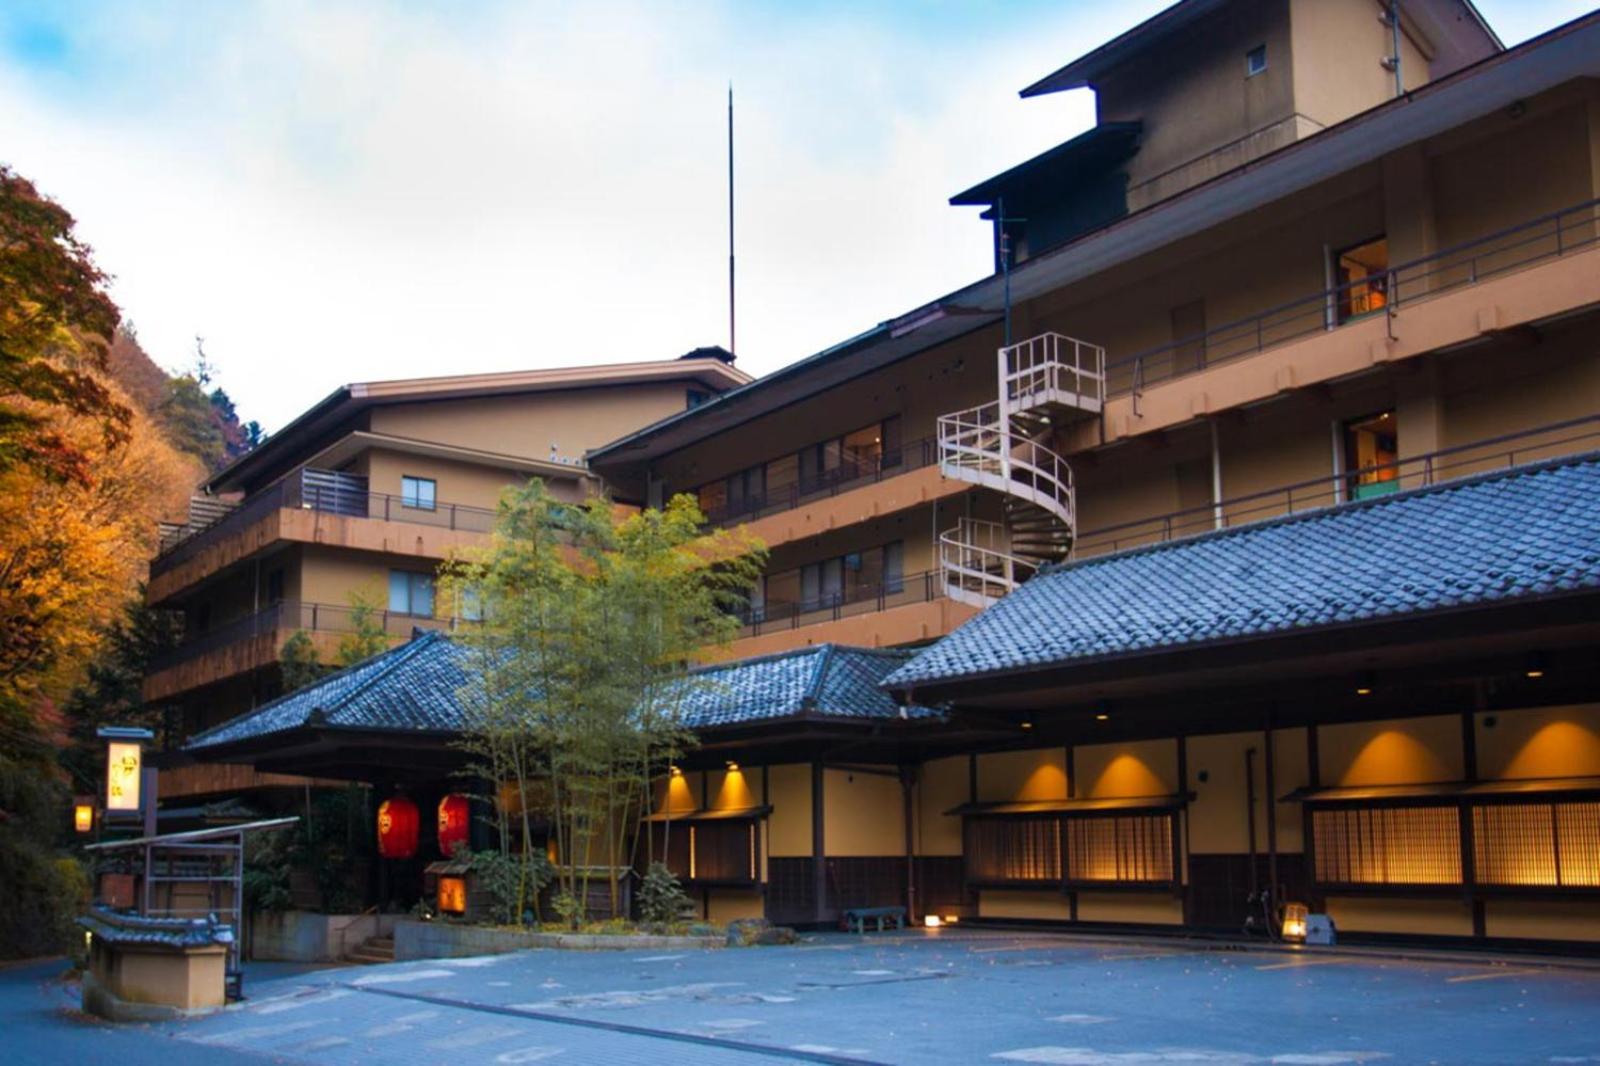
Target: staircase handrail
972	561
1039	364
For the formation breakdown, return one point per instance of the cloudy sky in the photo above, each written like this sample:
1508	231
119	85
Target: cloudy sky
343	190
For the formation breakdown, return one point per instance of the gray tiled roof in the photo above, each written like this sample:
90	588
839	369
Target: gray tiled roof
415	687
1526	532
421	685
824	680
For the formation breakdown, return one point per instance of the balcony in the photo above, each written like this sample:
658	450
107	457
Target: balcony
311	505
848	476
253	641
900	611
1537	240
1477	457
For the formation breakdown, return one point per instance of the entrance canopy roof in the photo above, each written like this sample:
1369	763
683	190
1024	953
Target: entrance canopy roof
418	697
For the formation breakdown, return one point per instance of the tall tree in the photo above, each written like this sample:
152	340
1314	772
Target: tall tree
591	624
56	323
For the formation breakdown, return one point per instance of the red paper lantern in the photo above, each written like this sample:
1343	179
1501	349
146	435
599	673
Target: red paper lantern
453	815
397	828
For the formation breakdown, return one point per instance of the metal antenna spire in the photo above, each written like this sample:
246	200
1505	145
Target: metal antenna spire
732	349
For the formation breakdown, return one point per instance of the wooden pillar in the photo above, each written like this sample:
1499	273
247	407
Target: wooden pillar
908	781
1182	871
819	861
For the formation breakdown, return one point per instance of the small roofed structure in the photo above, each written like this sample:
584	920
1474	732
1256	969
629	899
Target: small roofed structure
179	953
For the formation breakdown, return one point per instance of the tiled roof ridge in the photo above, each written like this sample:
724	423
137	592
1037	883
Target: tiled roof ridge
811	699
1316	513
769	657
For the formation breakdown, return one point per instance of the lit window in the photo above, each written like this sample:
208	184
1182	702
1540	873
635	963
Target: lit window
1362	276
1371	452
411	593
1255	61
417	492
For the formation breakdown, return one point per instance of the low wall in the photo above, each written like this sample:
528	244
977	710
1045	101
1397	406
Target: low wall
446	940
301	936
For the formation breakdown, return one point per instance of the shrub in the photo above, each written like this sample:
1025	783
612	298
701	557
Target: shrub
662	899
512	882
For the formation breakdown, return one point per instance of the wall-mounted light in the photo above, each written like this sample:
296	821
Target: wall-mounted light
83	815
1102	717
675	771
733	767
1026	724
1364	684
1534	667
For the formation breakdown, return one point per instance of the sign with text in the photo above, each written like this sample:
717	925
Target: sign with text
124	763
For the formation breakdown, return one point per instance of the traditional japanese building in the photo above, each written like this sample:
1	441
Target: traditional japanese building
358	500
1234	543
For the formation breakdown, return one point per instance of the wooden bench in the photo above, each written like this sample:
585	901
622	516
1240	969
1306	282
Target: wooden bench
856	918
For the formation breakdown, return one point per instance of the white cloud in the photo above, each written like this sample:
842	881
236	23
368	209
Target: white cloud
338	192
357	189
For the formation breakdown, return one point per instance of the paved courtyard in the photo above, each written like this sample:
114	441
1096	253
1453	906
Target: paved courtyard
953	996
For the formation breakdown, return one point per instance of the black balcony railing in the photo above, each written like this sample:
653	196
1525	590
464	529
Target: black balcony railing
1548	441
282	618
913	455
777	616
323	491
1558	233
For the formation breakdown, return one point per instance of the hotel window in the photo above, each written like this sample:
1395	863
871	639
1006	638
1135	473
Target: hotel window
1387	845
1255	61
821	584
1120	849
275	585
1010	851
747	490
1371	454
411	593
417	492
1543	845
1362	278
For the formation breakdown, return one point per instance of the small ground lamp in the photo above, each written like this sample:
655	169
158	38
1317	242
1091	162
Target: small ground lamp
932	921
83	814
397	828
454	814
452	895
1294	922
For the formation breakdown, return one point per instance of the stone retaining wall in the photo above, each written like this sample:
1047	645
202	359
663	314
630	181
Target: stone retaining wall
446	940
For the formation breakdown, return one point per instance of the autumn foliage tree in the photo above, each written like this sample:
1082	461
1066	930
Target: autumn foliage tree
56	324
85	475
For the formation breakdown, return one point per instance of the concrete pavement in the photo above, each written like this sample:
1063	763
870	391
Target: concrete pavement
952	996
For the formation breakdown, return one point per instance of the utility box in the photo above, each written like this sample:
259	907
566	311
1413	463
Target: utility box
1320	929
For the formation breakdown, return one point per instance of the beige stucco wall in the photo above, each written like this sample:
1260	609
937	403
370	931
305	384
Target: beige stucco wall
572	421
789	825
1128	768
864	813
941	786
1398	751
1036	774
1547	742
1024	903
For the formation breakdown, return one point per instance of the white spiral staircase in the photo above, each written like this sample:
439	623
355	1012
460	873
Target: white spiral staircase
1043	381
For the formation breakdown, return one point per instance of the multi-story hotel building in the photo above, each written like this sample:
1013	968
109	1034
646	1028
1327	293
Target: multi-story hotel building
358	500
1242	519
